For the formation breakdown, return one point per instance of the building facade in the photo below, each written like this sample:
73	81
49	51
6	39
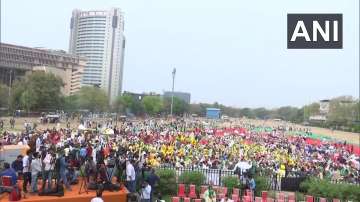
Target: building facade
99	36
324	107
17	61
181	95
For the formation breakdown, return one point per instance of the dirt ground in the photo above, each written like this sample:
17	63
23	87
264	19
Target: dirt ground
19	123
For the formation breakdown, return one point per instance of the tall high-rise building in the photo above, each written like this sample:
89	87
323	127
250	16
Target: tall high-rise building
99	36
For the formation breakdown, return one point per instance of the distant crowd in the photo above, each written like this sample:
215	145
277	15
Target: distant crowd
129	150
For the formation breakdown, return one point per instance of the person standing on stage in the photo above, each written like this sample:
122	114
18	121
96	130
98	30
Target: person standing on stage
49	162
35	170
26	161
63	170
17	165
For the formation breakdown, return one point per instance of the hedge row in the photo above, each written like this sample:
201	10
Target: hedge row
168	182
233	182
327	189
168	185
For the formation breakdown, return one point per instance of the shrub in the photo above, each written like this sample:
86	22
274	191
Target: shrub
262	184
326	189
192	177
299	196
167	184
231	182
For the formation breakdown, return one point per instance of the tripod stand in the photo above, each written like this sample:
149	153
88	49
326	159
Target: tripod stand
109	173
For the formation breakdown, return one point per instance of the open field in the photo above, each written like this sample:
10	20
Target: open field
336	134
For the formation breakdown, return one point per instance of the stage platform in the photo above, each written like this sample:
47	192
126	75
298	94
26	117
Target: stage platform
73	196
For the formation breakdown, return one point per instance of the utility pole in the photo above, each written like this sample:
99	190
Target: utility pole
172	93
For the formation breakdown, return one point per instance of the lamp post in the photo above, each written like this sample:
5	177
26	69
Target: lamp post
172	92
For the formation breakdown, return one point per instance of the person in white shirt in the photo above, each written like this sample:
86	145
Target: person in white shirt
25	141
98	197
130	177
145	192
38	144
35	170
26	170
25	124
49	163
226	199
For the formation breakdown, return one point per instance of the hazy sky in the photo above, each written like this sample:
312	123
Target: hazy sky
233	52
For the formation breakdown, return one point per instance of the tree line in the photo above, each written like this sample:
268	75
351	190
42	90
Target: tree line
41	91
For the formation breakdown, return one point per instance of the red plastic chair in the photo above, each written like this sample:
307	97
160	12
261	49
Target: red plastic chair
181	191
249	193
236	191
175	199
198	200
336	200
291	197
187	199
270	200
221	196
192	192
6	181
309	198
264	196
217	189
279	200
291	200
235	197
258	199
203	188
246	199
281	196
322	199
224	190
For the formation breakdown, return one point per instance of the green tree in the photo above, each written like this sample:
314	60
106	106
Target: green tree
287	113
152	104
179	108
127	103
27	100
311	110
343	111
71	103
261	113
196	109
38	91
93	99
137	107
122	103
247	112
4	95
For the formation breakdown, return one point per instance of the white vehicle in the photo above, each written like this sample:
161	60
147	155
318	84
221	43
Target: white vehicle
224	117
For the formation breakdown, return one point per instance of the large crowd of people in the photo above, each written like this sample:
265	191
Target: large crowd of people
104	150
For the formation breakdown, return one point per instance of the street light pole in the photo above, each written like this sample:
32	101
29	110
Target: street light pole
172	93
